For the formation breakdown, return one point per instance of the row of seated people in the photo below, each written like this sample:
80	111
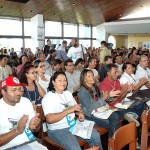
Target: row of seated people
58	105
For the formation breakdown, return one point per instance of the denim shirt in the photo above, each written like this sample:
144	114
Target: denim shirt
87	102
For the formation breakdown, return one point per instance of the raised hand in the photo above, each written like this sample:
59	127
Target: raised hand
114	93
34	122
74	108
22	123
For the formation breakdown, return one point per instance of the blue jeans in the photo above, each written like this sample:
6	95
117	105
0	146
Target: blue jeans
138	109
112	123
69	141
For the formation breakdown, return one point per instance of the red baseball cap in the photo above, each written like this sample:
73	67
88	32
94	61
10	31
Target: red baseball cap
11	81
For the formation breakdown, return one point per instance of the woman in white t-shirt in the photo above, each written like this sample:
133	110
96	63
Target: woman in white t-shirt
128	77
44	79
60	109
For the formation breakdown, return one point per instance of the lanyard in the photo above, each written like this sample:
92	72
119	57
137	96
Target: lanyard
65	103
34	95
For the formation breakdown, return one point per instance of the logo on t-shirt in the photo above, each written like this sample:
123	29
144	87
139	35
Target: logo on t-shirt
13	122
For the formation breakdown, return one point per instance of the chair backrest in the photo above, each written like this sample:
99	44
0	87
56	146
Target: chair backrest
145	118
123	136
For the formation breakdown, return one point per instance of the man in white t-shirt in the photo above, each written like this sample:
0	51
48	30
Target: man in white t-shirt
143	71
5	70
17	117
77	51
73	76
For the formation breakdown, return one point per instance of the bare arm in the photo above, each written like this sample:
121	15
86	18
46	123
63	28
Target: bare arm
55	117
40	90
7	137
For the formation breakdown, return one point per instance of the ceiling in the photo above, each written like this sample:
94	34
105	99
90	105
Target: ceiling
91	12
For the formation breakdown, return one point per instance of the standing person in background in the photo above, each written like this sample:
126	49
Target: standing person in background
105	51
63	46
77	51
37	52
22	52
47	47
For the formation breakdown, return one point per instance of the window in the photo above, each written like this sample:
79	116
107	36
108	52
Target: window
95	43
27	28
94	32
85	43
10	27
70	30
53	28
28	44
12	42
84	31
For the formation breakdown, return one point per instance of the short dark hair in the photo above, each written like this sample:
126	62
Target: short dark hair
104	43
90	59
109	67
48	40
2	56
107	57
117	56
36	63
124	67
64	42
20	59
67	61
53	78
79	60
57	62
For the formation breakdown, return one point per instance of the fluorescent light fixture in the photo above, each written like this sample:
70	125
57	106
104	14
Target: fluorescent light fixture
144	12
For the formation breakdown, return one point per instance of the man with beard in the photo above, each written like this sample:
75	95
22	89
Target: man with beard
17	117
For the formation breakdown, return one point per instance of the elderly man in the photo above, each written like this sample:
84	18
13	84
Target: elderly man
17	117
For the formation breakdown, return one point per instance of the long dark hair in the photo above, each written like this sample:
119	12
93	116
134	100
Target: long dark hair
53	78
23	77
82	83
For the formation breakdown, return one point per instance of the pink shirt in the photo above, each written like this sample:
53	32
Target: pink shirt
19	68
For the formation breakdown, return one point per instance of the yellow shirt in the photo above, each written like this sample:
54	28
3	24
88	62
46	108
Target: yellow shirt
104	52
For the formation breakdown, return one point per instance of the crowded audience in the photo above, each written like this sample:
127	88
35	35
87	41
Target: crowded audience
69	84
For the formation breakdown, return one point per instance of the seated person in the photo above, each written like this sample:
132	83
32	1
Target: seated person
112	83
60	108
79	64
91	65
102	72
91	99
44	79
143	71
33	91
119	64
129	78
57	66
17	115
73	76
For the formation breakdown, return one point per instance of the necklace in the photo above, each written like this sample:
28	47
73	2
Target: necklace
65	103
29	95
